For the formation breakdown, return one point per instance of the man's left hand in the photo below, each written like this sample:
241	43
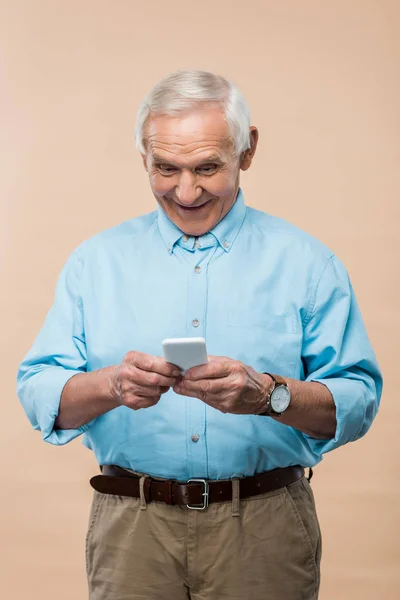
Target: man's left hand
227	385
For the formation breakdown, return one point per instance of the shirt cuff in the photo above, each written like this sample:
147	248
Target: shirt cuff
46	408
349	398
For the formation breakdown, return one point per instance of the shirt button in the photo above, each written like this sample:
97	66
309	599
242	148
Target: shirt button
226	244
185	238
197	269
195	322
195	437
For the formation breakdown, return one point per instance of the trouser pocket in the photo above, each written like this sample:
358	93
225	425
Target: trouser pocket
93	517
301	500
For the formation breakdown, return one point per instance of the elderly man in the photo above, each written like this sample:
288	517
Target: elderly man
291	372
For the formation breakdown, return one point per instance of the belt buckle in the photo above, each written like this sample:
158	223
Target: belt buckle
204	494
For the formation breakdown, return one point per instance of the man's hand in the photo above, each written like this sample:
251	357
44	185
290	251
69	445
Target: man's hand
141	379
226	384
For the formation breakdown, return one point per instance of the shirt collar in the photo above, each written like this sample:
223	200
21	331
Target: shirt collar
224	233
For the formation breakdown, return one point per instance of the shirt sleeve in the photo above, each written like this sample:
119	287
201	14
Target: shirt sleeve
337	353
58	353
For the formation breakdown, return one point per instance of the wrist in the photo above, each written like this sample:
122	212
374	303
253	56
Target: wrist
113	386
278	396
266	389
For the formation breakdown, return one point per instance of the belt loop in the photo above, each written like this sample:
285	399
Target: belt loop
142	481
310	474
235	497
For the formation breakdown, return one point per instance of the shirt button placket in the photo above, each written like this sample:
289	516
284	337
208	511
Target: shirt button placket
197	299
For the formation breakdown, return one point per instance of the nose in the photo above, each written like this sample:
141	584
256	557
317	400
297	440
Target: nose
187	191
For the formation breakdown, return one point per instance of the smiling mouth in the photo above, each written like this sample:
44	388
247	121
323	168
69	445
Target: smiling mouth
193	208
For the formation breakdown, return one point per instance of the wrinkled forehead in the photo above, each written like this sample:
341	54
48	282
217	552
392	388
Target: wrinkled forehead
189	134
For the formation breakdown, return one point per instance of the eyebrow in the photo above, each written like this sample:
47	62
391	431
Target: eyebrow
214	158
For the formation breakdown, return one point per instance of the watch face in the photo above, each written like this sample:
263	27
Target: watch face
280	398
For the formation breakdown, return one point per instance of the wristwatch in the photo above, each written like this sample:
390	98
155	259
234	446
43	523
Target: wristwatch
278	399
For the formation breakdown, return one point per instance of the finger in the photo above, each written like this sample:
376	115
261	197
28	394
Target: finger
211	370
149	392
205	386
152	379
146	402
155	364
129	374
213	400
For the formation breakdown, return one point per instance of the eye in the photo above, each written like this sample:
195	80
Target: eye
166	169
208	169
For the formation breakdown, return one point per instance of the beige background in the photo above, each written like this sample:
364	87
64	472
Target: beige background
322	79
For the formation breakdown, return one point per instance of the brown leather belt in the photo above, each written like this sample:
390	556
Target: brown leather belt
194	493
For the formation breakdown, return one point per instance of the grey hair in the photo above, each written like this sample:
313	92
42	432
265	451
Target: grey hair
187	90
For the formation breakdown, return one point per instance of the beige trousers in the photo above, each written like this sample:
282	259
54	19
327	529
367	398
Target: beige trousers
267	547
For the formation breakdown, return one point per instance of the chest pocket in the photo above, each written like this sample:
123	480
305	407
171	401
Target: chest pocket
273	342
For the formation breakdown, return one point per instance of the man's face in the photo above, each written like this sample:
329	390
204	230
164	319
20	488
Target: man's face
193	174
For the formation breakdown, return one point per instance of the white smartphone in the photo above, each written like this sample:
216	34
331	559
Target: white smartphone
185	353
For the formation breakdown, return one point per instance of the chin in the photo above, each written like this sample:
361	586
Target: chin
195	231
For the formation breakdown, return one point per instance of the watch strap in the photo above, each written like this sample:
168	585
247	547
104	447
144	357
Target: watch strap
277	380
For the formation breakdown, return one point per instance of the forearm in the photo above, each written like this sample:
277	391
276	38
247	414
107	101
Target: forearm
311	410
85	397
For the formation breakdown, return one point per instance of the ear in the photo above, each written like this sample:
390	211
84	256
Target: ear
144	159
248	155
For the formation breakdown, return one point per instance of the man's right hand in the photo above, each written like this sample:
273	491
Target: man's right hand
138	382
141	379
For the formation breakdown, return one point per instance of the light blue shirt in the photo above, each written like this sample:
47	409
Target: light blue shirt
258	289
